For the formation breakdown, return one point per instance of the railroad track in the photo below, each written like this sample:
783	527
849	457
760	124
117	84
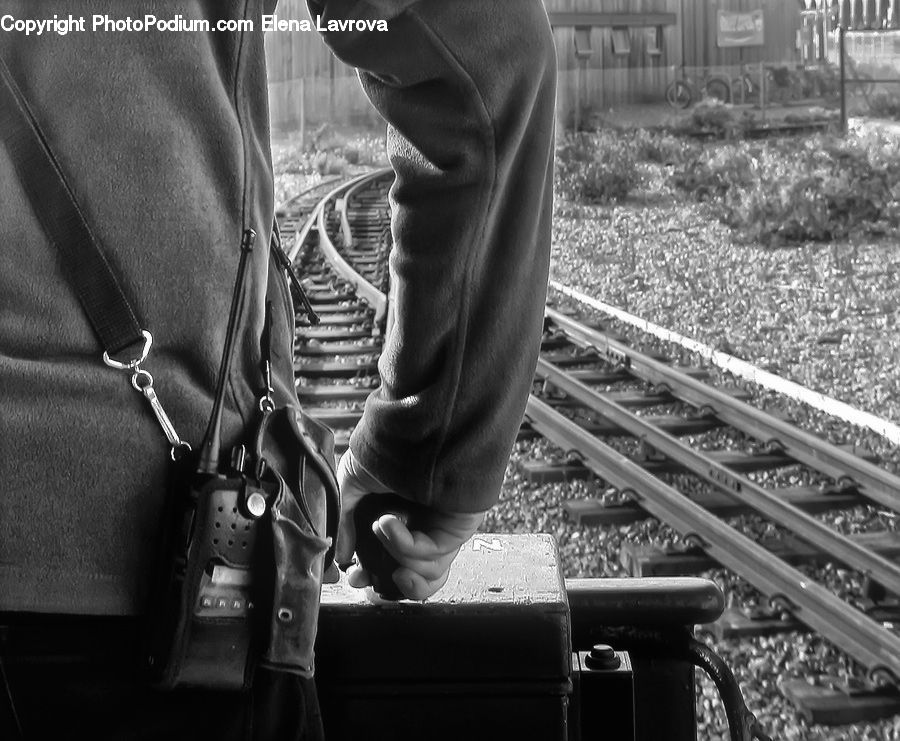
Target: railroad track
643	425
337	236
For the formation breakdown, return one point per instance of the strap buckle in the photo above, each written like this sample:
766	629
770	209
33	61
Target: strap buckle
131	364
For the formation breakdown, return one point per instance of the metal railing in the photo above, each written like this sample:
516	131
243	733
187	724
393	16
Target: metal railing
868	64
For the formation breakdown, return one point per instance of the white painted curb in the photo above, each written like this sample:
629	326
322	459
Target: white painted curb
742	369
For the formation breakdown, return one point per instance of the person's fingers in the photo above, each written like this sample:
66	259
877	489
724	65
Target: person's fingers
346	538
443	535
415	586
331	575
424	555
358	577
430	553
414	550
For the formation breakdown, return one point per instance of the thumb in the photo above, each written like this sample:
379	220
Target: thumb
354	482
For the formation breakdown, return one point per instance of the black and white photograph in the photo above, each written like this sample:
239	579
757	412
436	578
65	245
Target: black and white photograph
450	369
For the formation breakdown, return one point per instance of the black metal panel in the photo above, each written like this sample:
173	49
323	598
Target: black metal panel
664	697
488	657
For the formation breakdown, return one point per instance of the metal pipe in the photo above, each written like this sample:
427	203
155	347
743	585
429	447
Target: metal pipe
646	601
842	52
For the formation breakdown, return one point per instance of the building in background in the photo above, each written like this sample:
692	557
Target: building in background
611	52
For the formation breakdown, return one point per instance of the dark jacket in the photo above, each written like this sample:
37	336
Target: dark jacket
164	138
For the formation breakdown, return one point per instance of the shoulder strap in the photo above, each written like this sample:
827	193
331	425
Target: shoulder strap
98	289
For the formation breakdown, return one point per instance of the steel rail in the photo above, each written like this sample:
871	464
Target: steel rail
376	299
290	204
287	205
872	645
350	194
302	233
769	503
872	482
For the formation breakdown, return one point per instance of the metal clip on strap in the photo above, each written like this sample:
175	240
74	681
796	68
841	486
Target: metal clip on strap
143	383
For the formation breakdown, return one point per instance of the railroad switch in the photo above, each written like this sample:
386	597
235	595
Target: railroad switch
603	699
832	701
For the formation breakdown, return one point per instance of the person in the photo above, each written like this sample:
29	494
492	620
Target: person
163	138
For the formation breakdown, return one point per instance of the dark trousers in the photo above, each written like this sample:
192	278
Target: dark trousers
67	677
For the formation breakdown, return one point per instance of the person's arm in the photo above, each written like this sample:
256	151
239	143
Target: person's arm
468	90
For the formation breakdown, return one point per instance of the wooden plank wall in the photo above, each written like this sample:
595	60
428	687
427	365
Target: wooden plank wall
307	83
611	79
330	92
292	55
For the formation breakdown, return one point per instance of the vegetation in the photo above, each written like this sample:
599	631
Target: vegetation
328	151
777	191
815	189
885	105
596	168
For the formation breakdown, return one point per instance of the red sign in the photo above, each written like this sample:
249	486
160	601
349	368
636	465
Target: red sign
741	29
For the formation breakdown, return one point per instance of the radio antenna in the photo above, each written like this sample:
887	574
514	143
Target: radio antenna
209	454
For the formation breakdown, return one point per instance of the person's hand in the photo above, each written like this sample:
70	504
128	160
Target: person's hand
424	555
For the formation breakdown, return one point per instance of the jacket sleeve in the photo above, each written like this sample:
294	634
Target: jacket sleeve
468	91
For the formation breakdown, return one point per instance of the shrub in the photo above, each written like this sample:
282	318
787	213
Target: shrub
712	116
596	169
885	105
712	175
818	190
661	148
366	149
351	154
590	119
329	163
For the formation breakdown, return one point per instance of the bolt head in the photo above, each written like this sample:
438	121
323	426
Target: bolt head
603	657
